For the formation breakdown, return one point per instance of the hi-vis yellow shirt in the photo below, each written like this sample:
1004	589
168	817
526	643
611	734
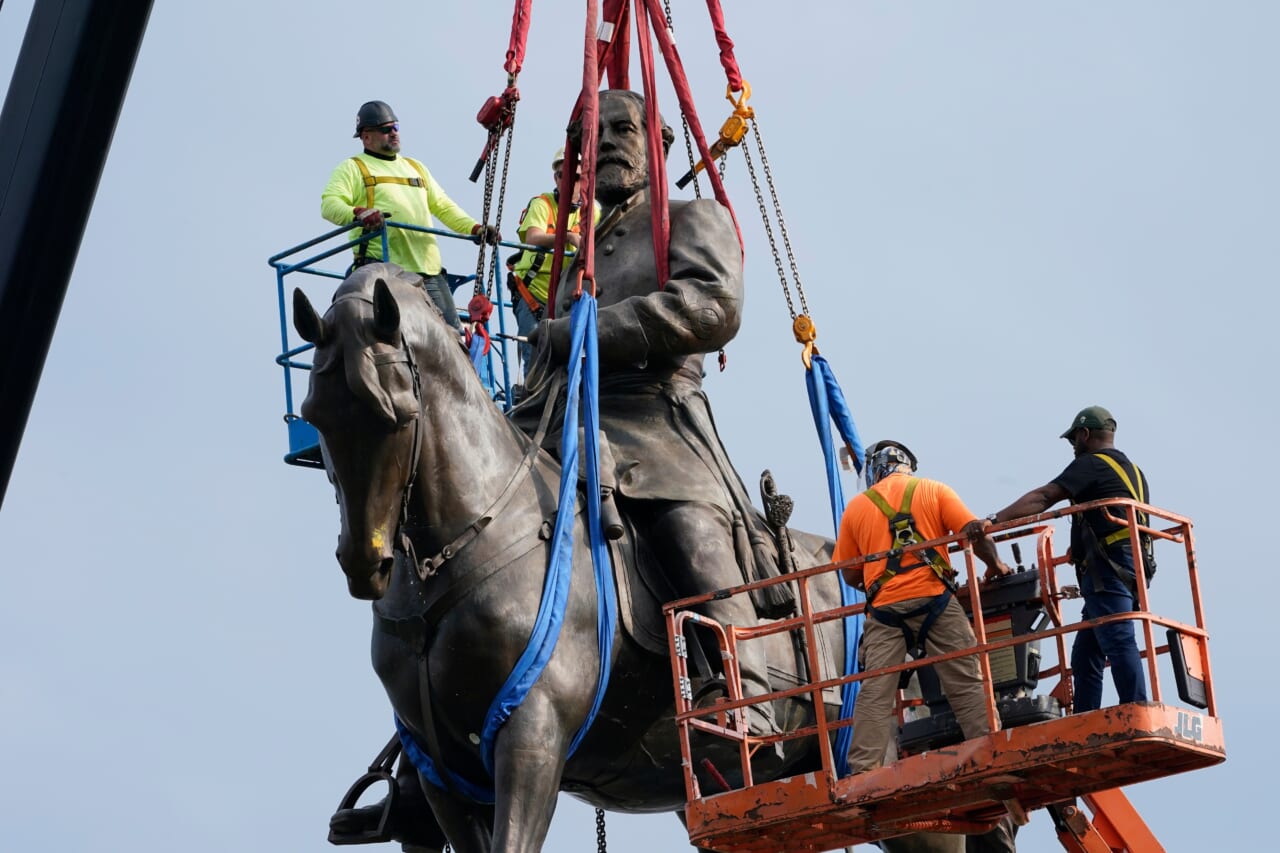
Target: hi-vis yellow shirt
413	250
541	213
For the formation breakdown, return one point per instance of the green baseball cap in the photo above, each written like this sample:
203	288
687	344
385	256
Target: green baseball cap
1094	417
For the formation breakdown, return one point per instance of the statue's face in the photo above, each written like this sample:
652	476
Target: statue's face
622	169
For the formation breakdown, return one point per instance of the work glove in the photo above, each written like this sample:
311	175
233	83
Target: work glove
485	234
369	218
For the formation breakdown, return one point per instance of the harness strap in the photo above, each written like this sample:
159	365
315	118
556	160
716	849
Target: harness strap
429	722
902	531
915	642
1135	493
371	180
539	258
522	287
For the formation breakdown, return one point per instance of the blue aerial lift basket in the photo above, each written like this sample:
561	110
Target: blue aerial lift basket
304	441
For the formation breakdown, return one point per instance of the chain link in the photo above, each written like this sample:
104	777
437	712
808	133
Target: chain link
502	198
490	168
684	120
782	223
601	846
768	228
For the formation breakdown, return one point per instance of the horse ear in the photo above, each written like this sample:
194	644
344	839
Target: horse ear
386	313
305	319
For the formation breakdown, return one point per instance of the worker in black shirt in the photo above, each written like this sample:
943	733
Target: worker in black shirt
1102	553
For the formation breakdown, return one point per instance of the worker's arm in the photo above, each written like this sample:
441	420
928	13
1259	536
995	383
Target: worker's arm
544	239
1033	502
339	196
985	550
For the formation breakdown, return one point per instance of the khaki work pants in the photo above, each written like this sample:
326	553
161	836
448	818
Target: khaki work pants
883	645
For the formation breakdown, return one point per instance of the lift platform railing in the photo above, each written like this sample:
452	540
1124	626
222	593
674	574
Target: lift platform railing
304	441
1181	729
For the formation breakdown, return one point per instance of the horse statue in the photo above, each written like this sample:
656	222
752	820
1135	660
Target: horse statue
425	464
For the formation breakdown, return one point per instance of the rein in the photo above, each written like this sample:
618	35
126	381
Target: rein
430	565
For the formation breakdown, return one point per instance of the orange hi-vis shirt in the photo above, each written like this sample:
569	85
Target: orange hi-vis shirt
937	510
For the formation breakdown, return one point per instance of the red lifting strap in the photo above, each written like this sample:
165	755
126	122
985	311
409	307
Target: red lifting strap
520	35
727	59
681	84
615	51
608	55
659	212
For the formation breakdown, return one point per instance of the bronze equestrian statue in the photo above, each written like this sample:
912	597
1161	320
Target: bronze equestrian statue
445	505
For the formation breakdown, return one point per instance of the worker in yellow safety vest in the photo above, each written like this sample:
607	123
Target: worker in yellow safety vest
379	184
530	279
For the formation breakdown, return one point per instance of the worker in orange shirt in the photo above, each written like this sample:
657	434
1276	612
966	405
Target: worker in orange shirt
910	606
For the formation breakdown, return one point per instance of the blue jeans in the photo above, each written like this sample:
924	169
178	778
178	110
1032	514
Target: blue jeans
1105	594
437	287
525	323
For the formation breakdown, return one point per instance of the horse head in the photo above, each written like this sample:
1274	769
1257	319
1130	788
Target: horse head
365	399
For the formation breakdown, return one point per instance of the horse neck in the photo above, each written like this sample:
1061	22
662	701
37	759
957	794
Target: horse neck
468	454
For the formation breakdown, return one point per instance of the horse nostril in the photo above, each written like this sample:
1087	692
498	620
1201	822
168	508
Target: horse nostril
384	568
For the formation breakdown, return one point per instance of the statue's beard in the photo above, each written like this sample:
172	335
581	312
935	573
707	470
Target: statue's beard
616	182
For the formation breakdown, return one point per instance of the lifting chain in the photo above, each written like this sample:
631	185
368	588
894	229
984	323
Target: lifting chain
485	284
782	225
601	846
684	120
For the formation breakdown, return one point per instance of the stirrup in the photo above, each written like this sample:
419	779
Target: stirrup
379	771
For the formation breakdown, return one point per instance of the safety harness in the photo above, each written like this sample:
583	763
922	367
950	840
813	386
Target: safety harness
371	180
902	530
1119	536
522	283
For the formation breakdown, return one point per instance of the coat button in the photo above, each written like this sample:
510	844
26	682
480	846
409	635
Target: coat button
607	248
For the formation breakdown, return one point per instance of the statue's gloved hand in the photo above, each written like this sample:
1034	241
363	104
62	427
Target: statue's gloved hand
370	219
553	335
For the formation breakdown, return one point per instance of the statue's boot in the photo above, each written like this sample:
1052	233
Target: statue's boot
410	822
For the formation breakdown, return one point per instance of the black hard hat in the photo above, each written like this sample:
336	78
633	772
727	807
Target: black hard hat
372	114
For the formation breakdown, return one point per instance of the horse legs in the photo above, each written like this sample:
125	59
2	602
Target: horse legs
528	762
468	825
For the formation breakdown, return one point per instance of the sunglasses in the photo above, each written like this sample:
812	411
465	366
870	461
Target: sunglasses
387	128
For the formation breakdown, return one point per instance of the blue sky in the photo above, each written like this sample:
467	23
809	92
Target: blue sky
1009	210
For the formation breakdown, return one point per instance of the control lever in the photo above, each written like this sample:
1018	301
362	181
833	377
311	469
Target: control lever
1017	557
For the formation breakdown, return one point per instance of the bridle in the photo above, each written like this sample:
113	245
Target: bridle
428	566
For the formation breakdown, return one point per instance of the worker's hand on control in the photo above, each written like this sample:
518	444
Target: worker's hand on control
1000	569
369	218
486	234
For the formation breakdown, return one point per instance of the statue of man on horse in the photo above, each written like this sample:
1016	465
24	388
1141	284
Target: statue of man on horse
669	472
393	396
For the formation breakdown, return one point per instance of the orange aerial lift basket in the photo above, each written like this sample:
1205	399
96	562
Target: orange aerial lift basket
1043	756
